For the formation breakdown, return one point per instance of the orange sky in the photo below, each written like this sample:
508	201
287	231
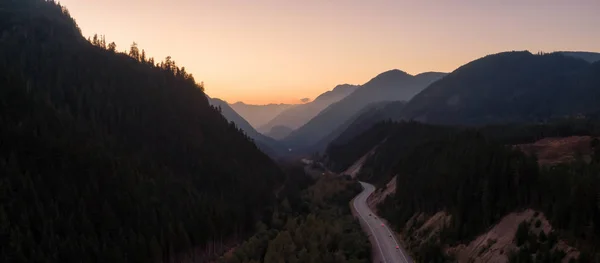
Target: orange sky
262	51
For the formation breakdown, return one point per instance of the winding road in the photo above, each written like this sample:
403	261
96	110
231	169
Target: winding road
386	248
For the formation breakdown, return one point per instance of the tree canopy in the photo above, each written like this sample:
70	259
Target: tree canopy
109	157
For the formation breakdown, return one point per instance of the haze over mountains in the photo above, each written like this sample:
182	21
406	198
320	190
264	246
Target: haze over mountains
259	115
476	93
393	85
294	115
298	115
265	143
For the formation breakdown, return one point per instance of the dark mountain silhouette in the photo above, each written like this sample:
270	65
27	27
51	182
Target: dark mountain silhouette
297	116
109	157
587	56
365	119
509	87
360	122
388	86
266	144
259	115
279	132
337	93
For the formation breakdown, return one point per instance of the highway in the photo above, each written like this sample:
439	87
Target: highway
386	248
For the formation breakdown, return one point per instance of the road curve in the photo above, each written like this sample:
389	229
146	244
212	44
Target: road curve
384	242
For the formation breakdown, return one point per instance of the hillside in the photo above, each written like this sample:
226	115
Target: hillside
360	122
259	115
314	224
476	183
556	150
587	56
393	85
510	87
365	119
267	144
108	157
279	132
451	192
297	116
392	139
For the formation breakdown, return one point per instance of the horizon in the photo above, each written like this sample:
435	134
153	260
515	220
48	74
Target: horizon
271	52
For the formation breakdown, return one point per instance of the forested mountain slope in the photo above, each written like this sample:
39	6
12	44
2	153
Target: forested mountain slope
473	177
362	121
107	157
510	87
476	181
312	223
395	139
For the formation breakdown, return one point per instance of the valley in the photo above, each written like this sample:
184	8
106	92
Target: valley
112	156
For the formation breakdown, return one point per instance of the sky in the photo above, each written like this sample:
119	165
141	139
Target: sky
280	51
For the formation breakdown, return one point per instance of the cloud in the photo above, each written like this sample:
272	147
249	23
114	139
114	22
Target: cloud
305	100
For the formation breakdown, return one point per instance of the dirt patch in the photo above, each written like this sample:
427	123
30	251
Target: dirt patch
552	150
381	193
495	245
421	228
354	169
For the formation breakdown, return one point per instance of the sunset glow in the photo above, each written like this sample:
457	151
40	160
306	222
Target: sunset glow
275	51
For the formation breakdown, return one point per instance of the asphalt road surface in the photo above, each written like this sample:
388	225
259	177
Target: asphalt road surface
386	248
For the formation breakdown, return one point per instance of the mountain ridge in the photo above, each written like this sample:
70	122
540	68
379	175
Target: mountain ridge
268	145
109	157
390	85
300	114
507	87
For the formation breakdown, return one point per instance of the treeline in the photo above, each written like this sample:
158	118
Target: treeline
394	140
478	181
318	227
108	157
168	65
514	86
475	180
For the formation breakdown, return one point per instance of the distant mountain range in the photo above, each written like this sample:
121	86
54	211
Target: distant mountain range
510	87
259	115
268	145
393	85
298	115
499	88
